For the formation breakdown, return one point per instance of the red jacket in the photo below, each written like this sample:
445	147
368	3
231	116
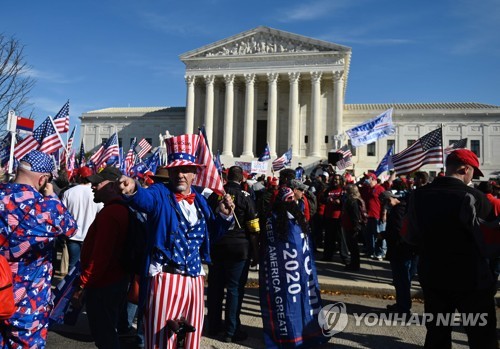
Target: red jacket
371	198
333	202
495	203
103	247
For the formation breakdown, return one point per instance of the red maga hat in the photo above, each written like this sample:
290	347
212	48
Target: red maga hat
466	157
371	175
85	171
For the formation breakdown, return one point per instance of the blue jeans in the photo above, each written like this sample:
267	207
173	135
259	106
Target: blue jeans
233	276
104	305
74	249
401	278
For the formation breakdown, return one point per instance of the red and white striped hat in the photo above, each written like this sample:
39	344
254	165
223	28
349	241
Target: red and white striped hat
181	150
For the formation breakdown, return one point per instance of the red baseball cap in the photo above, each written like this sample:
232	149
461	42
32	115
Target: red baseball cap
371	175
85	171
466	157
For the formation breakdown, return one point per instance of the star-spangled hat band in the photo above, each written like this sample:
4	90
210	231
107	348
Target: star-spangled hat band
182	150
36	161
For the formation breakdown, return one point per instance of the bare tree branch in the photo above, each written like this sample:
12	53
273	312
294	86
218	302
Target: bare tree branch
15	82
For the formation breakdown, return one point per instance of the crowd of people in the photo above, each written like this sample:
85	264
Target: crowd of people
279	226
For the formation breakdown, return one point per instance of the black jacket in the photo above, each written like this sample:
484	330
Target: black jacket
235	243
397	248
449	255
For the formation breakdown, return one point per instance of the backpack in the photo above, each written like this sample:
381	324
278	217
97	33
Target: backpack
7	304
134	251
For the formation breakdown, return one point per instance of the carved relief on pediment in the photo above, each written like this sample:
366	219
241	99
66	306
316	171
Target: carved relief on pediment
263	43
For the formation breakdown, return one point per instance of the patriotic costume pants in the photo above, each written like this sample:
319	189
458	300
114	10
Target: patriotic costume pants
170	297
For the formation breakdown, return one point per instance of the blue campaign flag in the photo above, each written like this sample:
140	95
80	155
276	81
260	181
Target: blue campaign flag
266	155
140	167
5	149
218	163
122	160
63	312
373	129
386	162
290	298
153	161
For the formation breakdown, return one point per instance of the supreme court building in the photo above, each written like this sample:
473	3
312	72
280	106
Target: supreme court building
270	86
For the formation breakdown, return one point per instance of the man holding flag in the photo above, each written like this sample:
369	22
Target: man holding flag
178	241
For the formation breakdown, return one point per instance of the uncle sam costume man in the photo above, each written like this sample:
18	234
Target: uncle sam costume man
178	218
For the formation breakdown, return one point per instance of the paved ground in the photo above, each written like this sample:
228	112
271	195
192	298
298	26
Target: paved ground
366	291
363	336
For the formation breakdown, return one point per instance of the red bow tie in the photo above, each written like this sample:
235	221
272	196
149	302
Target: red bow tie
189	198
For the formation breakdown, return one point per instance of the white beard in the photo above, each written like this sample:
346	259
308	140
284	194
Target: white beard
181	188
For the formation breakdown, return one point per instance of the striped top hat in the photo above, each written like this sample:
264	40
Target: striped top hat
181	150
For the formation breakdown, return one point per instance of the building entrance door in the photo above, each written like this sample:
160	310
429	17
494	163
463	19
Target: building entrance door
261	141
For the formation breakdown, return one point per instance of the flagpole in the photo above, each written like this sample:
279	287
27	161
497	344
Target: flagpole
67	151
12	129
442	145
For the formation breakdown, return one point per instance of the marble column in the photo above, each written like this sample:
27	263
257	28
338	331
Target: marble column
190	81
249	115
338	96
209	108
272	112
227	147
293	125
486	155
97	137
317	131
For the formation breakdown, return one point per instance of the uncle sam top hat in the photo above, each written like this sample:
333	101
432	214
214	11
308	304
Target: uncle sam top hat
182	150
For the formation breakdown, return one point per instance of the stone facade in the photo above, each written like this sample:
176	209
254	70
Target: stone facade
269	86
149	122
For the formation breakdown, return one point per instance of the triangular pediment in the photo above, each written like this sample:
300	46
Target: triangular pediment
264	41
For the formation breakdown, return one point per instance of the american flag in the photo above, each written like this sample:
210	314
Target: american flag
71	161
283	160
44	138
346	159
426	150
81	156
130	157
266	155
457	145
67	150
61	120
71	140
142	148
208	176
97	155
110	149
